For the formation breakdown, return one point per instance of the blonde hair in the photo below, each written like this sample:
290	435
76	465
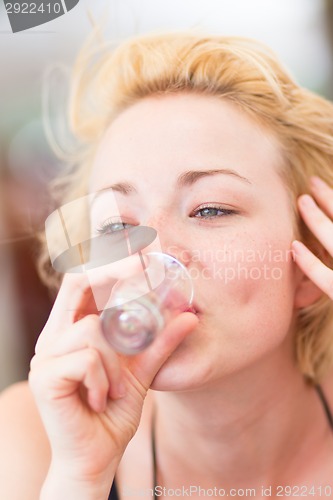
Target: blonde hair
105	81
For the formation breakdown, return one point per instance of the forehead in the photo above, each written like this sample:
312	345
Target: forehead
179	132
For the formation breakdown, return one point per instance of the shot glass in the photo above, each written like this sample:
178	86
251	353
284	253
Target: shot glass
144	303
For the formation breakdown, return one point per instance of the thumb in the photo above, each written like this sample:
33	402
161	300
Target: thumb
146	364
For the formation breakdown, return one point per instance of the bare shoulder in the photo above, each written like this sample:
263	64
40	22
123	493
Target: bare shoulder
24	449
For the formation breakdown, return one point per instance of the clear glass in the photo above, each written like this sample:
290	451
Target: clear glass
145	302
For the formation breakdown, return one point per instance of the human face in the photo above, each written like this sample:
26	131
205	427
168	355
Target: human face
232	229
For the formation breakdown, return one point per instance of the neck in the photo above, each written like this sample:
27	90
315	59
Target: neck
260	426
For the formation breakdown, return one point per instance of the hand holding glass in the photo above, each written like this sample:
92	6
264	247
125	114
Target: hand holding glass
145	302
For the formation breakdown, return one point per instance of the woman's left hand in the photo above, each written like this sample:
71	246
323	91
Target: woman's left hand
317	213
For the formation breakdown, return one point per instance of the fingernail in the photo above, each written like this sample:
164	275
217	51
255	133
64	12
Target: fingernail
317	182
298	246
117	391
307	201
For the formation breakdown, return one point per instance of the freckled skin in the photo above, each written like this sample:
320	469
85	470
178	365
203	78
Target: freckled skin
249	312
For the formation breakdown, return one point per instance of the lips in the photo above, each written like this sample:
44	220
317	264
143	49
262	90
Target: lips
192	309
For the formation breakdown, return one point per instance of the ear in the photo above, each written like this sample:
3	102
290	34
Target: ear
306	292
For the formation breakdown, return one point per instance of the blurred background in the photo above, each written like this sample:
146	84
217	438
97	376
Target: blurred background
300	32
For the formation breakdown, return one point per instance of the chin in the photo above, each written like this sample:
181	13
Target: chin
184	370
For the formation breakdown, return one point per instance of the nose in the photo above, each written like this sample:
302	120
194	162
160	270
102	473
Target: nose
180	253
170	237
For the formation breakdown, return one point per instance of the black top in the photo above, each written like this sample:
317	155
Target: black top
114	495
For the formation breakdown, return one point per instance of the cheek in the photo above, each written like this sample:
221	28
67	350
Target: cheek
250	271
249	296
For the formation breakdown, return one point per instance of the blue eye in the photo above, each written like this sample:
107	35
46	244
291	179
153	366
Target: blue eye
210	212
109	227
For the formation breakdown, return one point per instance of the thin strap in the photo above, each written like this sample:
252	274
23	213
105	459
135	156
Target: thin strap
153	452
113	495
325	405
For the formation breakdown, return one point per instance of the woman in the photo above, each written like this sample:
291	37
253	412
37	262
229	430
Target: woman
210	142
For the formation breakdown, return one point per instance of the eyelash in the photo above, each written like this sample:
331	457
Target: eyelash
106	226
219	208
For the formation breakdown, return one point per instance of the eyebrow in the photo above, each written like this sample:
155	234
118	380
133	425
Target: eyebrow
122	187
190	177
185	179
